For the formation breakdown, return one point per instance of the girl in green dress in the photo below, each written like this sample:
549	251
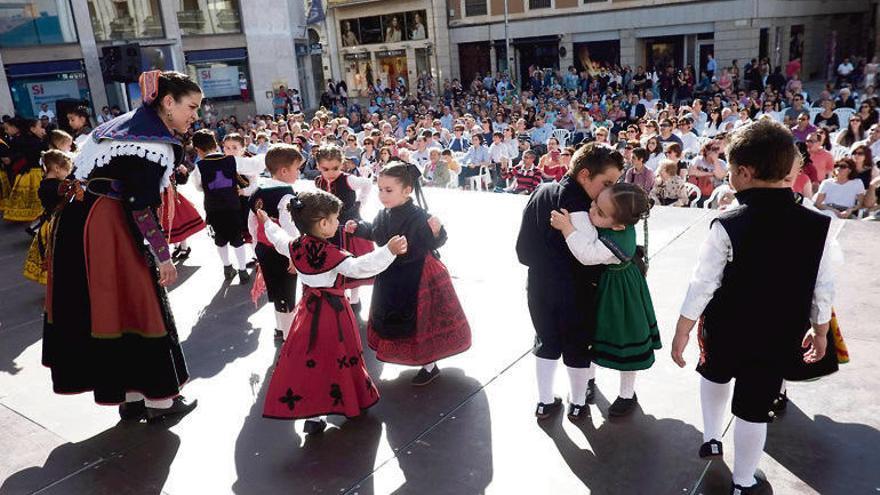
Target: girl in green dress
626	334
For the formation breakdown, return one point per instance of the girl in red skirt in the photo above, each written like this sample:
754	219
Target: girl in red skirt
179	216
415	316
320	369
352	191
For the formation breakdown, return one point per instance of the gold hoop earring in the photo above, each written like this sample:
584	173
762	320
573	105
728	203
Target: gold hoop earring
169	116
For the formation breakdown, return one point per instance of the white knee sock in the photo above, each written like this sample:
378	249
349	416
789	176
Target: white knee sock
241	256
133	396
627	384
354	295
748	445
577	378
224	254
546	371
429	367
591	371
283	321
713	397
183	244
159	403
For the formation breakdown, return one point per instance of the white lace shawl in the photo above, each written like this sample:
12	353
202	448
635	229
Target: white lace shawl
98	154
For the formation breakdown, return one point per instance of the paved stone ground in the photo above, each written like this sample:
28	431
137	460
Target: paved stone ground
472	431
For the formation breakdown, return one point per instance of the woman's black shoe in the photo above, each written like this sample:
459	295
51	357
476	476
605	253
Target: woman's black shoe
314	426
712	448
132	411
544	411
623	407
179	407
780	403
181	254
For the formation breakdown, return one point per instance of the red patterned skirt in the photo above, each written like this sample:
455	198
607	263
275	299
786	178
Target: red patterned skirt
320	369
442	329
181	221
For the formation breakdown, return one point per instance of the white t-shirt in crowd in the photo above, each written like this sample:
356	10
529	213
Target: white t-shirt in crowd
841	194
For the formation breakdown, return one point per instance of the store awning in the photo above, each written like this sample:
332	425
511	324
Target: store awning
44	68
223	55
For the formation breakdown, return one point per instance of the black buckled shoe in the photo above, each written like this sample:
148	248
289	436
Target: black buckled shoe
181	254
132	411
623	407
712	448
279	336
780	403
762	487
424	377
577	412
314	426
243	276
228	272
179	407
544	411
252	263
591	391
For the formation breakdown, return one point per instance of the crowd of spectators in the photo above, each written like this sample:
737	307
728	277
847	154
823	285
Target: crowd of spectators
670	122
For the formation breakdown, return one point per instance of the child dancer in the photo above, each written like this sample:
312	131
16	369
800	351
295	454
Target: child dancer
233	145
180	219
561	291
217	175
58	166
415	316
320	368
352	191
23	204
626	328
731	285
273	196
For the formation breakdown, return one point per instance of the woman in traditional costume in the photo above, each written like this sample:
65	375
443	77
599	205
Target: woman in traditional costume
108	326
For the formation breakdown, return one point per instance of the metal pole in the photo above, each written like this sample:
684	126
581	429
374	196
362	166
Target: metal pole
507	44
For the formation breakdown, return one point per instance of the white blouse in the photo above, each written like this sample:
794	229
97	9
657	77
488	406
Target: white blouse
366	266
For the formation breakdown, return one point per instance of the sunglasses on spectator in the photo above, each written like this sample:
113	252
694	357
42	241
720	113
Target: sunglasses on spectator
858	153
841	166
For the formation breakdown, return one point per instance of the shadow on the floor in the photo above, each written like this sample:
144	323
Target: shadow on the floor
222	333
96	466
635	454
831	457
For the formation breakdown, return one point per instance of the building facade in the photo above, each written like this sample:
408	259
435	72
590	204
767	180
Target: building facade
588	33
392	41
52	50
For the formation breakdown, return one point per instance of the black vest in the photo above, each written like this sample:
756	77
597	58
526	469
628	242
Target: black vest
762	308
219	182
351	208
269	197
542	248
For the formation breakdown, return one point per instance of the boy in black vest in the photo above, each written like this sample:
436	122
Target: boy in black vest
274	196
561	291
217	176
761	305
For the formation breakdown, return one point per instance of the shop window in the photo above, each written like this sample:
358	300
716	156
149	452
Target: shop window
198	17
475	7
539	4
126	20
36	22
35	84
390	28
222	74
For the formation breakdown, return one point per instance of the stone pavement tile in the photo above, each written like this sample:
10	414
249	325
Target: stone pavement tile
857	286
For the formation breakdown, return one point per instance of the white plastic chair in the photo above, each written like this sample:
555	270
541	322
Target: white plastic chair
562	135
717	193
839	152
453	180
843	115
813	113
779	116
480	181
694	193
